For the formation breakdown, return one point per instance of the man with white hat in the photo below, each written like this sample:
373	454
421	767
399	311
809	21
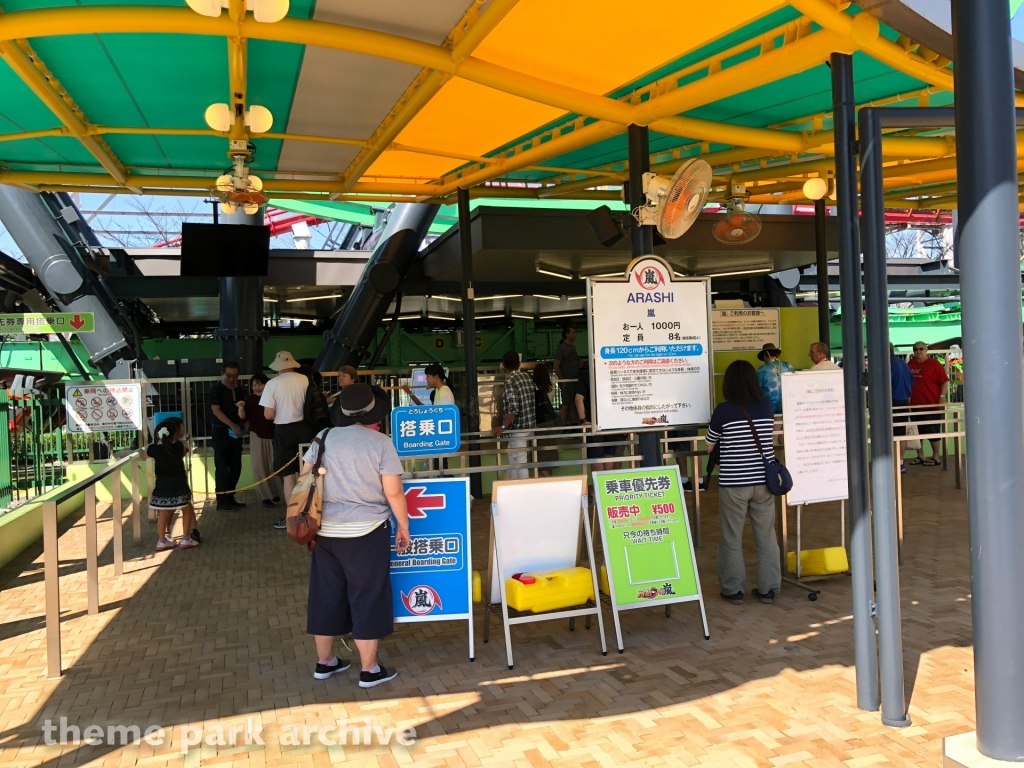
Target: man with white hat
282	402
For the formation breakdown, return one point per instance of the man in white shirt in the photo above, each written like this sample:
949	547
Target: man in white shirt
282	402
819	354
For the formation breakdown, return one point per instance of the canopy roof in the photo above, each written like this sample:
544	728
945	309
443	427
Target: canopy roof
409	100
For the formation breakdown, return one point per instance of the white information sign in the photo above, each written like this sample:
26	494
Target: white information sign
95	407
650	348
742	330
814	427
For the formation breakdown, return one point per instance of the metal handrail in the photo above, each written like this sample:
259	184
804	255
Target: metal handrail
51	555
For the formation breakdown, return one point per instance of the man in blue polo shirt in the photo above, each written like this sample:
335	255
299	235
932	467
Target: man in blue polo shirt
902	381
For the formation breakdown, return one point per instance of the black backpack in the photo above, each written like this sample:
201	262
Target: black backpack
315	410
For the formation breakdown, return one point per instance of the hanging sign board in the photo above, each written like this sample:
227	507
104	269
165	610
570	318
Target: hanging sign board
744	330
426	430
650	345
645	530
103	408
433	579
48	322
814	427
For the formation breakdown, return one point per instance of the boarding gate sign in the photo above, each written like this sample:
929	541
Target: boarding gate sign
433	579
426	430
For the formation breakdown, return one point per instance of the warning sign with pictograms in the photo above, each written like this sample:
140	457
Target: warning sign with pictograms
93	407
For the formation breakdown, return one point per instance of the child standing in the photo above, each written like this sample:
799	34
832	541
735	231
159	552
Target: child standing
171	491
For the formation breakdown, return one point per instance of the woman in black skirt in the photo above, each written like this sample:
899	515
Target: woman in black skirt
171	491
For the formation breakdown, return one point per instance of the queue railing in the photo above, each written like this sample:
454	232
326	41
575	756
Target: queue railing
51	554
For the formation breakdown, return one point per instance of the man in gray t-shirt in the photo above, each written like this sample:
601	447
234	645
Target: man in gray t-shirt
567	366
350	572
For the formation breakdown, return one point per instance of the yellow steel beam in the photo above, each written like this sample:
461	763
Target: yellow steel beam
27	65
35	134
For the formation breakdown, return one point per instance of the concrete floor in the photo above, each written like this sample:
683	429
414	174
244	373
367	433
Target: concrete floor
215	636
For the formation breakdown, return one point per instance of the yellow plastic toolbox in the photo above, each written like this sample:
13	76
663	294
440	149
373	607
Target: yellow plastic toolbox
540	591
819	562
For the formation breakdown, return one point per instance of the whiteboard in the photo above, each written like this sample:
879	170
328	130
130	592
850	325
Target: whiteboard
651	348
536	524
814	428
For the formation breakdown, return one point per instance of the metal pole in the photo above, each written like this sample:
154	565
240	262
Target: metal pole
989	250
821	254
883	495
864	649
642	239
241	331
469	338
92	568
116	508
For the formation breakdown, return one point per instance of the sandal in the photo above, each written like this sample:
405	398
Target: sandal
930	462
916	461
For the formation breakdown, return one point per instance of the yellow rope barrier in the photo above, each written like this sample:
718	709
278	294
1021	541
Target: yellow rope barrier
246	488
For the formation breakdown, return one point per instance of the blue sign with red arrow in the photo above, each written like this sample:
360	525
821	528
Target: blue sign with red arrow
433	579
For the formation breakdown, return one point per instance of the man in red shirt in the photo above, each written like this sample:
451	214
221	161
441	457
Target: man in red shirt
928	393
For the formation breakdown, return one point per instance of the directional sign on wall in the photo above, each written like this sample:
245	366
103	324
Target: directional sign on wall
48	322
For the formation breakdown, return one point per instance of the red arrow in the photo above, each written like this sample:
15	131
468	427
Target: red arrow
417	503
77	322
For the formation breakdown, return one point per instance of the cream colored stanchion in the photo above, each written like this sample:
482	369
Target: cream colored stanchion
51	576
136	503
92	568
115	514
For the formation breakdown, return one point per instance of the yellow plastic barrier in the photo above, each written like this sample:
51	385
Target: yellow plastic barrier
819	562
478	590
541	591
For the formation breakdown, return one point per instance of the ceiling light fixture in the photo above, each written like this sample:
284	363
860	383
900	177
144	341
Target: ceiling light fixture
546	269
567	314
314	298
264	11
740	272
545	296
815	188
502	296
270	301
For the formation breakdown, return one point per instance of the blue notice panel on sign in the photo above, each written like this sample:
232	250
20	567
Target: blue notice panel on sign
432	579
426	430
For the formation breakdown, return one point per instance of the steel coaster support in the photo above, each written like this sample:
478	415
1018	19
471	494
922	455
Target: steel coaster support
862	572
990	278
241	331
821	260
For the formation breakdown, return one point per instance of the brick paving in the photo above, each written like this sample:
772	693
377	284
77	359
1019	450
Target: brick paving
215	636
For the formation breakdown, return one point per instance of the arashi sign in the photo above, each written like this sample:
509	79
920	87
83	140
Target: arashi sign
650	347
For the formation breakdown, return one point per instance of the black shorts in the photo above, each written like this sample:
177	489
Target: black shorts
596	449
287	439
350	586
900	417
928	429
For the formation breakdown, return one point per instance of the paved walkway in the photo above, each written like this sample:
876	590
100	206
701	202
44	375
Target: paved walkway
215	637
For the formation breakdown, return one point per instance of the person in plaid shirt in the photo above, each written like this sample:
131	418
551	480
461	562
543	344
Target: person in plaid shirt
519	401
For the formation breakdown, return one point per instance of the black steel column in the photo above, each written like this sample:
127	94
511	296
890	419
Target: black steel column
821	254
241	331
469	338
844	117
883	478
642	239
989	251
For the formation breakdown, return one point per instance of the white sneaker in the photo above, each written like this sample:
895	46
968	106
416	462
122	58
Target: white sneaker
187	543
166	543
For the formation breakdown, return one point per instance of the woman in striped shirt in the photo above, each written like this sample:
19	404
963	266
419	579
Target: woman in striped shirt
742	489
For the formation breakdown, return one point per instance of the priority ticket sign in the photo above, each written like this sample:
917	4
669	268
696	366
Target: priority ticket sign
48	322
93	407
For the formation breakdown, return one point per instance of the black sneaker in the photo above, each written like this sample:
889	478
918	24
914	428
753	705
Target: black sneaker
268	504
277	499
370	679
237	504
281	524
735	599
767	598
194	535
323	671
687	485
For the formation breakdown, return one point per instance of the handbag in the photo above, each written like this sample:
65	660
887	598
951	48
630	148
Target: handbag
912	445
776	476
544	410
305	505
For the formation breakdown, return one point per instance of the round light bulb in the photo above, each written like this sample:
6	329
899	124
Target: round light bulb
255	182
223	184
250	209
815	188
218	117
228	208
269	11
205	7
259	119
